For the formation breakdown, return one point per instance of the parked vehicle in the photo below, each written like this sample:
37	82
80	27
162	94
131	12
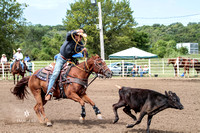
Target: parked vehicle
116	68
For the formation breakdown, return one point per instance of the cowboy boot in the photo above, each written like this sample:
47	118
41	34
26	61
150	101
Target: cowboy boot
48	97
49	94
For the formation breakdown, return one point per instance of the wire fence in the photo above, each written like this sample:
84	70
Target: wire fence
124	68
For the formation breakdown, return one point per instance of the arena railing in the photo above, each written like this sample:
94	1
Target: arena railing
123	68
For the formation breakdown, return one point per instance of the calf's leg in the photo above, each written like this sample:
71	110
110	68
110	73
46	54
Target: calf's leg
142	114
127	110
149	122
115	107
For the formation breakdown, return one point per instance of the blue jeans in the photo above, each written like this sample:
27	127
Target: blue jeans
22	65
59	64
133	73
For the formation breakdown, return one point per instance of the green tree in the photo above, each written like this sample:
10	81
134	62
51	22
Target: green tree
11	22
43	38
117	20
165	48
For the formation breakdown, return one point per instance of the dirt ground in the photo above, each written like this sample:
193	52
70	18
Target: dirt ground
18	116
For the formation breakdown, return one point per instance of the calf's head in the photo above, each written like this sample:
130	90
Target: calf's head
174	100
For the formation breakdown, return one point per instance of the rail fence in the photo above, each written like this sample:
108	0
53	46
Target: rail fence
123	68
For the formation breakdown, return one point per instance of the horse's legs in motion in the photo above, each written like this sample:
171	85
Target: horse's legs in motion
14	78
88	100
48	122
76	98
17	78
39	109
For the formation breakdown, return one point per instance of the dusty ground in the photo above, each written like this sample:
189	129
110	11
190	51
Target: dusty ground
65	113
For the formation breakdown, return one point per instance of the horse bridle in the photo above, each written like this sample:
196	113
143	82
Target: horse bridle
100	66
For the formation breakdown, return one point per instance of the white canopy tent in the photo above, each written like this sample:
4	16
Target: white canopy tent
132	53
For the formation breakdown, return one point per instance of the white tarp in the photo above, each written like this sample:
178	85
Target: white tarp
132	53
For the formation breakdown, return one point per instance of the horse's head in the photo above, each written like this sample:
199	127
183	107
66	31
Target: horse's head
16	66
170	61
100	67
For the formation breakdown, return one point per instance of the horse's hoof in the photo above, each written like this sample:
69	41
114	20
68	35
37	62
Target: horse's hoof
99	116
81	120
129	126
49	124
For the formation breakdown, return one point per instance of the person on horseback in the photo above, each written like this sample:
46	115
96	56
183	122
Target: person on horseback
18	56
68	52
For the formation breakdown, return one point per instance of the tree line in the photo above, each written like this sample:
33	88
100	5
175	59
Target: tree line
42	42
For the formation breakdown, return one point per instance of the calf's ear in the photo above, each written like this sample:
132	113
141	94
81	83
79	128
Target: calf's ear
166	94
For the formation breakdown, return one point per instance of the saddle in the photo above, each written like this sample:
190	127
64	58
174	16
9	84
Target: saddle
46	73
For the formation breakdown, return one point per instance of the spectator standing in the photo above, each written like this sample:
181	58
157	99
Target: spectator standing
29	66
26	59
3	59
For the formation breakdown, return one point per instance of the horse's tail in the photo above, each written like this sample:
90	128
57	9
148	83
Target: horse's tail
20	89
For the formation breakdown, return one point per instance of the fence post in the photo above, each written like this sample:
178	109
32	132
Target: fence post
150	67
177	62
33	67
163	65
122	68
193	66
3	70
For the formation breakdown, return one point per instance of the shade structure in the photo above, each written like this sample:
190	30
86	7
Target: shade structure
132	53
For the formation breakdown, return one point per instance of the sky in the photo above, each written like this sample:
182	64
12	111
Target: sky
146	12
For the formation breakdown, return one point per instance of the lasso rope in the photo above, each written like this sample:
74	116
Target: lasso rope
79	67
77	43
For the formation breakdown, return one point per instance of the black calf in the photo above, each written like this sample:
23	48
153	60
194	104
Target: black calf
147	102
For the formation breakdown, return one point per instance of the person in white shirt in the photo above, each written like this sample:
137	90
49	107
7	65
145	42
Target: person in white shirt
4	59
18	56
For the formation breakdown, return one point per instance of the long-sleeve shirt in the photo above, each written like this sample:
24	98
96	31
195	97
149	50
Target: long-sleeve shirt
3	59
26	59
68	47
18	56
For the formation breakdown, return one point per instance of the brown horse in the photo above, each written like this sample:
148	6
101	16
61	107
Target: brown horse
181	63
74	86
17	69
196	64
6	69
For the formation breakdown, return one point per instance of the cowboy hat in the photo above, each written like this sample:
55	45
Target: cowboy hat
19	49
3	54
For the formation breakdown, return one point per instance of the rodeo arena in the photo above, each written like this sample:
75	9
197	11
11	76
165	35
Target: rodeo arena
126	95
133	91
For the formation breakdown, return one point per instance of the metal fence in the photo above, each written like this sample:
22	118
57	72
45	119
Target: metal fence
123	68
